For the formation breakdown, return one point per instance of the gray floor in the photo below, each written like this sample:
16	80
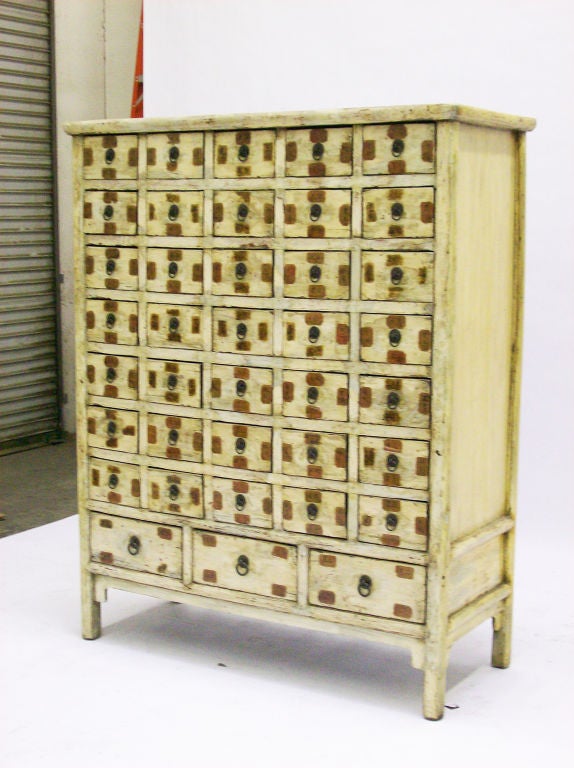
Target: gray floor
37	486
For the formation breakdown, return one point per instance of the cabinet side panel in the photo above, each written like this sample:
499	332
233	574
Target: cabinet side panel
483	326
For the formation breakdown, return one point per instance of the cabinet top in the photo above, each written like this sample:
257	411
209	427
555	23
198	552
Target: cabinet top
400	114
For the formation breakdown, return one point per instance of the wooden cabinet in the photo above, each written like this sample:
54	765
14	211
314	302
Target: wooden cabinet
298	345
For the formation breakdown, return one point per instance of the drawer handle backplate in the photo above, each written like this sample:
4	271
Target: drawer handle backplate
134	545
242	565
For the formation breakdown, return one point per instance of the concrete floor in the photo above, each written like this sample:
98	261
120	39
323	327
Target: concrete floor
37	486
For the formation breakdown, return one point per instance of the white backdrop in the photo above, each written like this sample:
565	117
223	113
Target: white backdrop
517	56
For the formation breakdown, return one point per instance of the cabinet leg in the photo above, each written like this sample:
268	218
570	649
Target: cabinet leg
91	610
502	636
434	687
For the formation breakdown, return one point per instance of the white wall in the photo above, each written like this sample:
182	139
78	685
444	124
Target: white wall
96	44
222	56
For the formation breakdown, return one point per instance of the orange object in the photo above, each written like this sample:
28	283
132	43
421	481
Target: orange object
137	95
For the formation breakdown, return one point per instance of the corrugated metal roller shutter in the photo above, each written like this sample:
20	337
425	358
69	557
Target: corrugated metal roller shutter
29	398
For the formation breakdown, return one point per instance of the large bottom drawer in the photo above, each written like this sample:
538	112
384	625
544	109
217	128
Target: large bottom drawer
140	546
247	565
363	585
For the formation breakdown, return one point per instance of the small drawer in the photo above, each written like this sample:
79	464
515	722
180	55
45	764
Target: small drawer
241	389
318	513
174	325
110	157
320	455
397	339
175	155
173	437
112	376
399	148
236	501
177	493
241	446
315	395
232	562
394	463
174	270
317	213
114	482
112	322
394	402
242	273
133	544
173	382
243	330
393	522
243	213
110	213
398	212
366	586
397	276
319	152
316	335
244	154
316	274
112	268
112	428
175	214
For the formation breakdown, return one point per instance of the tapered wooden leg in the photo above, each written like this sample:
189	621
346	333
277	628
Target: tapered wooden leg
502	636
434	684
91	610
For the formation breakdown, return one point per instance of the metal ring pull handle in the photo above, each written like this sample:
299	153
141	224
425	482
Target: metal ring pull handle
172	269
172	436
398	147
314	334
397	275
318	151
173	212
312	395
242	212
113	481
392	462
241	388
110	155
173	491
393	400
394	337
391	521
108	212
365	585
312	454
172	382
242	565
243	152
173	324
110	375
315	212
110	267
397	211
110	320
134	545
312	511
173	154
240	270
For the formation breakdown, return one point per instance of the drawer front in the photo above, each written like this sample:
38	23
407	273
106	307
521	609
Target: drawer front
398	212
241	446
241	389
315	395
139	546
243	330
112	428
320	455
112	376
175	214
110	157
399	148
114	482
392	462
244	154
258	567
393	522
113	268
110	213
174	325
317	213
319	513
319	152
175	156
316	335
316	274
173	382
397	339
395	402
173	437
242	273
112	322
243	213
177	493
397	276
236	501
174	270
366	586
